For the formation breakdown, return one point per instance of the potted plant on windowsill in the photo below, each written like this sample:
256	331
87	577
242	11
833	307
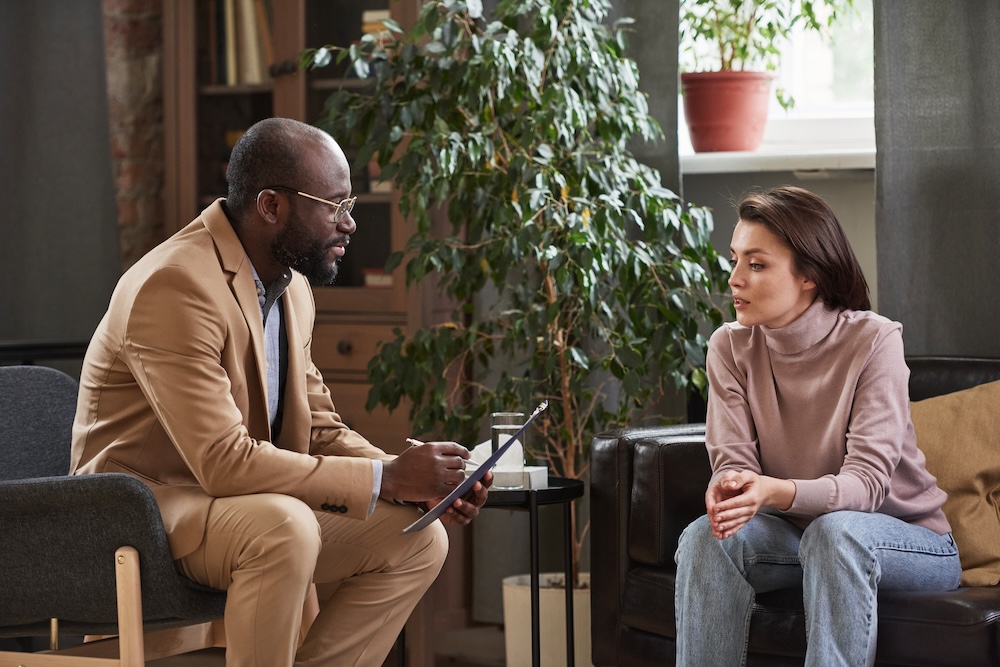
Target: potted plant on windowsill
574	275
732	46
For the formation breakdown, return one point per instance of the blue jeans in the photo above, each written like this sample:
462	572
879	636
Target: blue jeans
841	560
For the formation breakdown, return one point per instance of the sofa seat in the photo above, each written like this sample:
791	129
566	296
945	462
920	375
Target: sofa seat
962	623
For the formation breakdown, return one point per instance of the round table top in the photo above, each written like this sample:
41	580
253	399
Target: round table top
560	490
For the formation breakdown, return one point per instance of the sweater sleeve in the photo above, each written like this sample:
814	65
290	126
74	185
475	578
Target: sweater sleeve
730	434
875	436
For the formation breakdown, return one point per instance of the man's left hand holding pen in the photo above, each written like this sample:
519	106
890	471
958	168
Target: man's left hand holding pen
427	472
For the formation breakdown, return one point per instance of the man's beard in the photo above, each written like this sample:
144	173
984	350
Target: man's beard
294	247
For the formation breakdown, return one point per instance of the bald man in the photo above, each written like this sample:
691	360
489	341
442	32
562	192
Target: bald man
199	381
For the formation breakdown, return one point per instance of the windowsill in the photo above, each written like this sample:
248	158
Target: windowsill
778	159
801	144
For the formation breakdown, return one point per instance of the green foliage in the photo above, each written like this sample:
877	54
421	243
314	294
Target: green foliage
749	34
575	276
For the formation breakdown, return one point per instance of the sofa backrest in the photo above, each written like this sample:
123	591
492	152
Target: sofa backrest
934	376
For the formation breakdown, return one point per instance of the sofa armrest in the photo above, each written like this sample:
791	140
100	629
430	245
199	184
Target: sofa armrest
670	476
612	457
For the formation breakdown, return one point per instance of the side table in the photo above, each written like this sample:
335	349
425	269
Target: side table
561	491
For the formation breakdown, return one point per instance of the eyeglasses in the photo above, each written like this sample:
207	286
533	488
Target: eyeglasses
340	208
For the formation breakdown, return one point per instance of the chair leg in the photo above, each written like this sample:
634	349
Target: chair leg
129	608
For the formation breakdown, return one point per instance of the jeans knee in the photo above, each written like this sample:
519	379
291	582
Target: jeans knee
833	534
695	541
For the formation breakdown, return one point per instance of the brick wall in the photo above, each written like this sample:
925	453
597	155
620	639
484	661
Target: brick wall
133	51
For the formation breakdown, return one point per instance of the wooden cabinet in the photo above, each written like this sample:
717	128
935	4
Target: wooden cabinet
207	104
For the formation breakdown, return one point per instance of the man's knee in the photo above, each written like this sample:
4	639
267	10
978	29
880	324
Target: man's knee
434	548
286	525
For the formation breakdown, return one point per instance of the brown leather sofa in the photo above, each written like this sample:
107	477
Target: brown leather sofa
648	484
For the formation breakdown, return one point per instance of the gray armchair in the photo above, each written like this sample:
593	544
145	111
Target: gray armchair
89	551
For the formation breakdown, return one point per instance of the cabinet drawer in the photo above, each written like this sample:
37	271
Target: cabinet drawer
347	347
383	429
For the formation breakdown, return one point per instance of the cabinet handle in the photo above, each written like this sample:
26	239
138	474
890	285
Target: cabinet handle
279	69
344	347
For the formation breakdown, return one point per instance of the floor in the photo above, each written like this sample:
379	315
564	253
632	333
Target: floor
480	646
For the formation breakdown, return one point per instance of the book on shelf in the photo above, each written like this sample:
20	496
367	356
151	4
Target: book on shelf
371	23
244	51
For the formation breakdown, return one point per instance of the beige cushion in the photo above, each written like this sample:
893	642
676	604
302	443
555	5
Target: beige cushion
960	435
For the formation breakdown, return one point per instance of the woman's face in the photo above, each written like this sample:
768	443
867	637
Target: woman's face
766	290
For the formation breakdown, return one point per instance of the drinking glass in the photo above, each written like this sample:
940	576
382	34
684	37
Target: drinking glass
509	470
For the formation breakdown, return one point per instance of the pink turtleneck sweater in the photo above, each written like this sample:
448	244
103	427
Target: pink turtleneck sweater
822	401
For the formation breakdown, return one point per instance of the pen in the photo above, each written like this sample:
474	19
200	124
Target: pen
413	442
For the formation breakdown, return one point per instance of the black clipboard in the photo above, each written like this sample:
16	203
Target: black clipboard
435	512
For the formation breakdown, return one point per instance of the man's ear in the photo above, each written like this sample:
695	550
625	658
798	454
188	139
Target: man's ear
269	204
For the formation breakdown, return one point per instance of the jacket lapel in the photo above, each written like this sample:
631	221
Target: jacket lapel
236	264
296	420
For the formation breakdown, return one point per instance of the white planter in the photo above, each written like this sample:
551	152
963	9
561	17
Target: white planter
552	612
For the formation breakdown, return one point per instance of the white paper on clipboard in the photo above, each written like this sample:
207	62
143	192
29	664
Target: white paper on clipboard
435	512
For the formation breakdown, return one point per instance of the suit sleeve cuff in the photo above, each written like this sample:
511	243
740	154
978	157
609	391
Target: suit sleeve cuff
376	484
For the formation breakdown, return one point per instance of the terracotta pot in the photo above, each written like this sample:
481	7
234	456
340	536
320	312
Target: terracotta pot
726	111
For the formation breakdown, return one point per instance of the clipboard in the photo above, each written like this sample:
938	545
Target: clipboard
476	475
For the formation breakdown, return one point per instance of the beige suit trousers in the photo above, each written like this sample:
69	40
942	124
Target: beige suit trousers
267	549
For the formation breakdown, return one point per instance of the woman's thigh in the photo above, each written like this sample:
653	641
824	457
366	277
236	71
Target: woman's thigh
909	557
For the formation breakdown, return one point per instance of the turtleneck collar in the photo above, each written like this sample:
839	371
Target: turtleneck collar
809	328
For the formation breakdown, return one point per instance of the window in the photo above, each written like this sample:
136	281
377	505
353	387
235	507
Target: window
832	83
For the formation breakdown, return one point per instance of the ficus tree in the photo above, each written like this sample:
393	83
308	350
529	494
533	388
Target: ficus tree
575	275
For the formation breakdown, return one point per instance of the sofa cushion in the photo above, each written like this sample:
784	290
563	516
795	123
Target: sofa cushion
960	435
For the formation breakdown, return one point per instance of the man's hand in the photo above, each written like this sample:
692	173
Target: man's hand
424	472
466	508
736	496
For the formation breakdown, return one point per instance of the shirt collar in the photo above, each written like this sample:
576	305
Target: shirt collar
268	295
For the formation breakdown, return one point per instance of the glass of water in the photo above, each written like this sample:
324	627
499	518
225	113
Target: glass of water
509	470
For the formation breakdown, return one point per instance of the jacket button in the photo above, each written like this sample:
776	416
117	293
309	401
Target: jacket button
325	507
342	509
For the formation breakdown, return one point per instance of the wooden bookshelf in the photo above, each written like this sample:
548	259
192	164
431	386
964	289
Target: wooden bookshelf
205	109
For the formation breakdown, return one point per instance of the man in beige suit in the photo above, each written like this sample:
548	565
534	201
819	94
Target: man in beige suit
199	381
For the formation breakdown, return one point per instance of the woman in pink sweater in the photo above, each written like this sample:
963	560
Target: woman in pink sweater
817	479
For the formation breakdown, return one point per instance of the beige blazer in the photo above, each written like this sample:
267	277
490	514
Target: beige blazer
172	390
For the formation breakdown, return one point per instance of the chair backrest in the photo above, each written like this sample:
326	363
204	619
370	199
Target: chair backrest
37	407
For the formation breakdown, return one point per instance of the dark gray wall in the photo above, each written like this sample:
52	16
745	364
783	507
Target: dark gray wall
937	126
59	241
653	40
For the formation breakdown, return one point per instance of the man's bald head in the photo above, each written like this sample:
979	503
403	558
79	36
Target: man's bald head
270	153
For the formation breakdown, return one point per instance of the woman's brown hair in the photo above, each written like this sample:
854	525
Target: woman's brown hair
808	226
